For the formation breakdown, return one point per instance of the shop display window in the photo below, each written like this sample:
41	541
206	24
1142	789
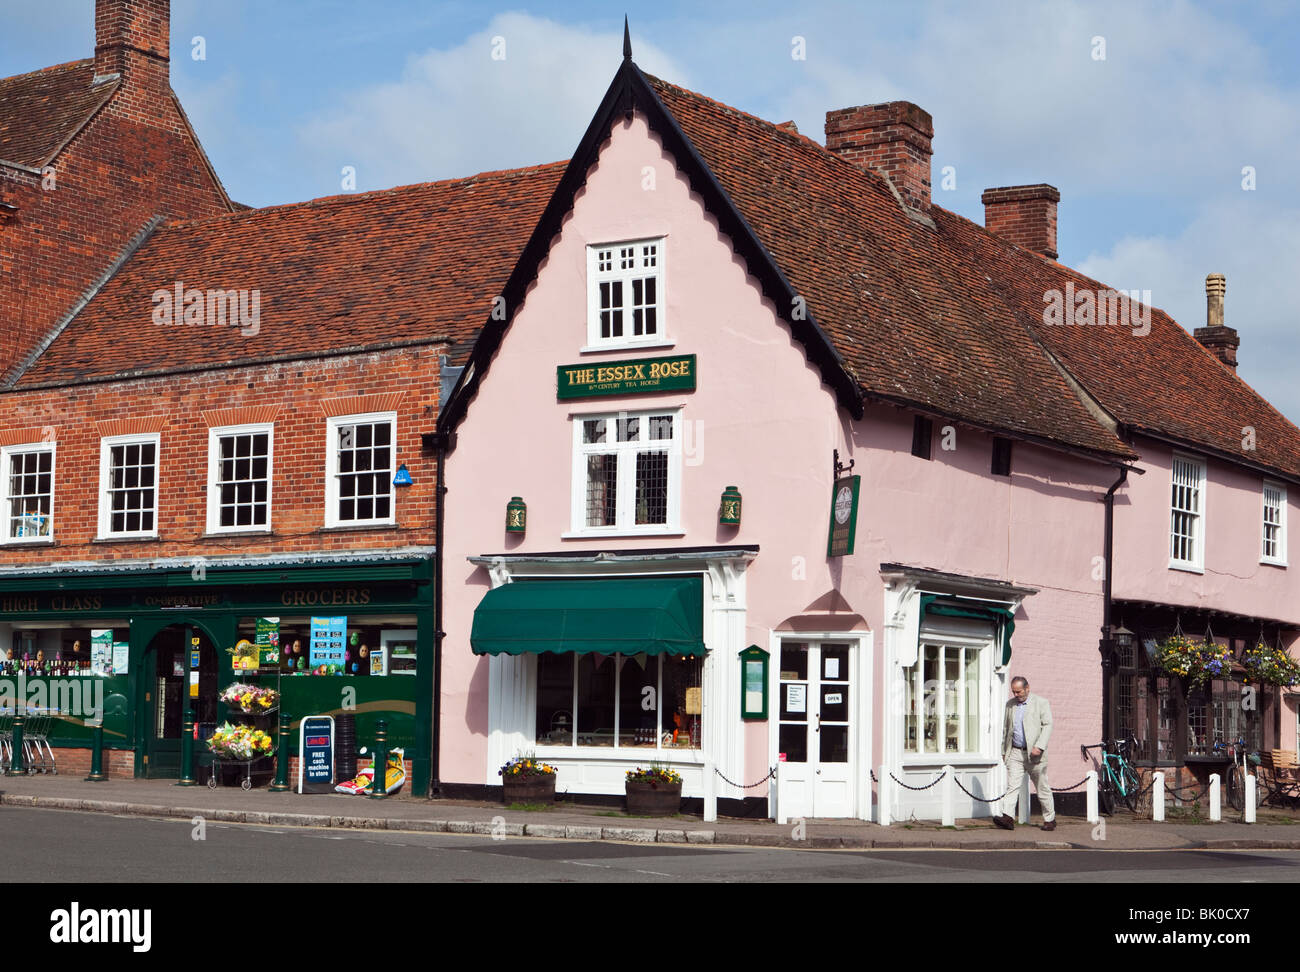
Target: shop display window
619	701
372	645
943	700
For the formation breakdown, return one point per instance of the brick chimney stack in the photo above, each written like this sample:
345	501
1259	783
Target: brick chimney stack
1217	338
132	38
894	139
1023	215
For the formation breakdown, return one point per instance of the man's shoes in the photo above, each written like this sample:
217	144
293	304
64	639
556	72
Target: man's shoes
1004	822
1049	825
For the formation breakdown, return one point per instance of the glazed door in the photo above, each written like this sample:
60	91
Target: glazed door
169	673
815	729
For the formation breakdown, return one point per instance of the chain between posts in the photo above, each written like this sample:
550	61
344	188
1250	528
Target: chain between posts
957	780
1067	789
771	774
917	789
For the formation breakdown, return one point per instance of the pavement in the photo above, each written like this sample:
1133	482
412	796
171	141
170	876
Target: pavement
1185	830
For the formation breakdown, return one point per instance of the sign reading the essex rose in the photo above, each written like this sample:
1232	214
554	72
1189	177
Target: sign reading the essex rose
588	380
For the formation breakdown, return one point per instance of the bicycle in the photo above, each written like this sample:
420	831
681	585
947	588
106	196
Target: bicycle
1235	778
1117	780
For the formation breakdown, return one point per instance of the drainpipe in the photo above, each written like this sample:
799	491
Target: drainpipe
1107	645
438	441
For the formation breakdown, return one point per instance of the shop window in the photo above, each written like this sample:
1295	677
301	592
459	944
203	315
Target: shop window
625	294
359	471
1273	541
627	472
942	700
29	491
373	645
239	464
1187	514
618	701
128	486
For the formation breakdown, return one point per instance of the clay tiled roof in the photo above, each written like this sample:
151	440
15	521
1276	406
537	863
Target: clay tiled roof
402	265
950	318
40	111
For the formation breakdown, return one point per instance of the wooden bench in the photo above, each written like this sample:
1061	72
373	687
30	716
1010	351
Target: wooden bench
1279	772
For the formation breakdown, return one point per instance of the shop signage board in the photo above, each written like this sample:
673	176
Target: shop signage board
844	516
327	638
591	379
316	754
753	679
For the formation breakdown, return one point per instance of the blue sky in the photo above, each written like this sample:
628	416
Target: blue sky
1146	145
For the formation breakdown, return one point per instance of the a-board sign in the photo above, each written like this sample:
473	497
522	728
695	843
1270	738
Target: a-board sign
316	754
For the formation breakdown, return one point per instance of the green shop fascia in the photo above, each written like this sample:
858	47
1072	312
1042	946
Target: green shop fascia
169	622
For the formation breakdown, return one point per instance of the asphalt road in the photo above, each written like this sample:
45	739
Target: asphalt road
64	846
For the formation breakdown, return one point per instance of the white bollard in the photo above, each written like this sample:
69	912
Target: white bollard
884	795
1250	798
1216	798
1158	797
1094	809
1023	802
949	797
710	792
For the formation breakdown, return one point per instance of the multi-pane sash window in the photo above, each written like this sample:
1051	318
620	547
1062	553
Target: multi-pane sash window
942	696
29	491
1274	539
240	475
625	293
1187	514
627	471
129	486
361	465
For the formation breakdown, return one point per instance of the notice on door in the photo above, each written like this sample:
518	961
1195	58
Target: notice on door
796	698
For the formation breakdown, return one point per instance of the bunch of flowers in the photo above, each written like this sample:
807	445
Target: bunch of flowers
656	775
1197	661
250	698
240	742
1270	665
524	766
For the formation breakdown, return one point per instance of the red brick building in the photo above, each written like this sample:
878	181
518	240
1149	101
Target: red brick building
212	419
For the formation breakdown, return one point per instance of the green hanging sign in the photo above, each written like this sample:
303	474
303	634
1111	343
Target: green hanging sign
844	516
591	379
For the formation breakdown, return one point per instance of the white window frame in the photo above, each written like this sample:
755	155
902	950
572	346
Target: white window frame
1280	557
6	455
1196	563
625	510
332	472
947	639
596	276
106	446
215	435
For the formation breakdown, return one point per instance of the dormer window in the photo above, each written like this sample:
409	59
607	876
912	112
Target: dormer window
625	294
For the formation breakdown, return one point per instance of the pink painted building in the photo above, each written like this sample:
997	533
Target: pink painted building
714	305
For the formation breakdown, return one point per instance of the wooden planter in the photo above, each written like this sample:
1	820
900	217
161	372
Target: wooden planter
653	799
529	789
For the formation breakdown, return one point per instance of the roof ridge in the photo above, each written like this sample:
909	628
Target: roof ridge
66	65
346	198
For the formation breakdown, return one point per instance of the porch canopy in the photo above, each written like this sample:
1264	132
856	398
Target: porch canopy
623	615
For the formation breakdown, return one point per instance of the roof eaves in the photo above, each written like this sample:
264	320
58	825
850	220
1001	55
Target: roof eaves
1128	430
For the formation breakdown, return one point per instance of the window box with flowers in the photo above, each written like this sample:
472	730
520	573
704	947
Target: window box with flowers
525	779
653	792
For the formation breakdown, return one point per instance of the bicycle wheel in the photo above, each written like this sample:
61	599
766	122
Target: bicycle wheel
1236	787
1106	792
1129	787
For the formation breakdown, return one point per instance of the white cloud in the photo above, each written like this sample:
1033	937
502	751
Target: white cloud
1255	247
459	111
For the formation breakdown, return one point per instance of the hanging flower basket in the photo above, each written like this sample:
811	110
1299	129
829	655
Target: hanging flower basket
1197	662
1270	665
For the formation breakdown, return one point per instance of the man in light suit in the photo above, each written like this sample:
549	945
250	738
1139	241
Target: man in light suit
1026	728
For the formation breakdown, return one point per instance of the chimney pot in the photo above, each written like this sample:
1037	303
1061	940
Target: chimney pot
1220	340
1023	215
894	139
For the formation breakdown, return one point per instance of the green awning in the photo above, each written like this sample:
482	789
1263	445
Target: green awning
1003	621
627	615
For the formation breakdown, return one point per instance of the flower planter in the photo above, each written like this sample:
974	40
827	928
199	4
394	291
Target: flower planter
539	788
653	799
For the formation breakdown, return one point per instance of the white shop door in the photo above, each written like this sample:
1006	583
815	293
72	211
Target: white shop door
814	729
